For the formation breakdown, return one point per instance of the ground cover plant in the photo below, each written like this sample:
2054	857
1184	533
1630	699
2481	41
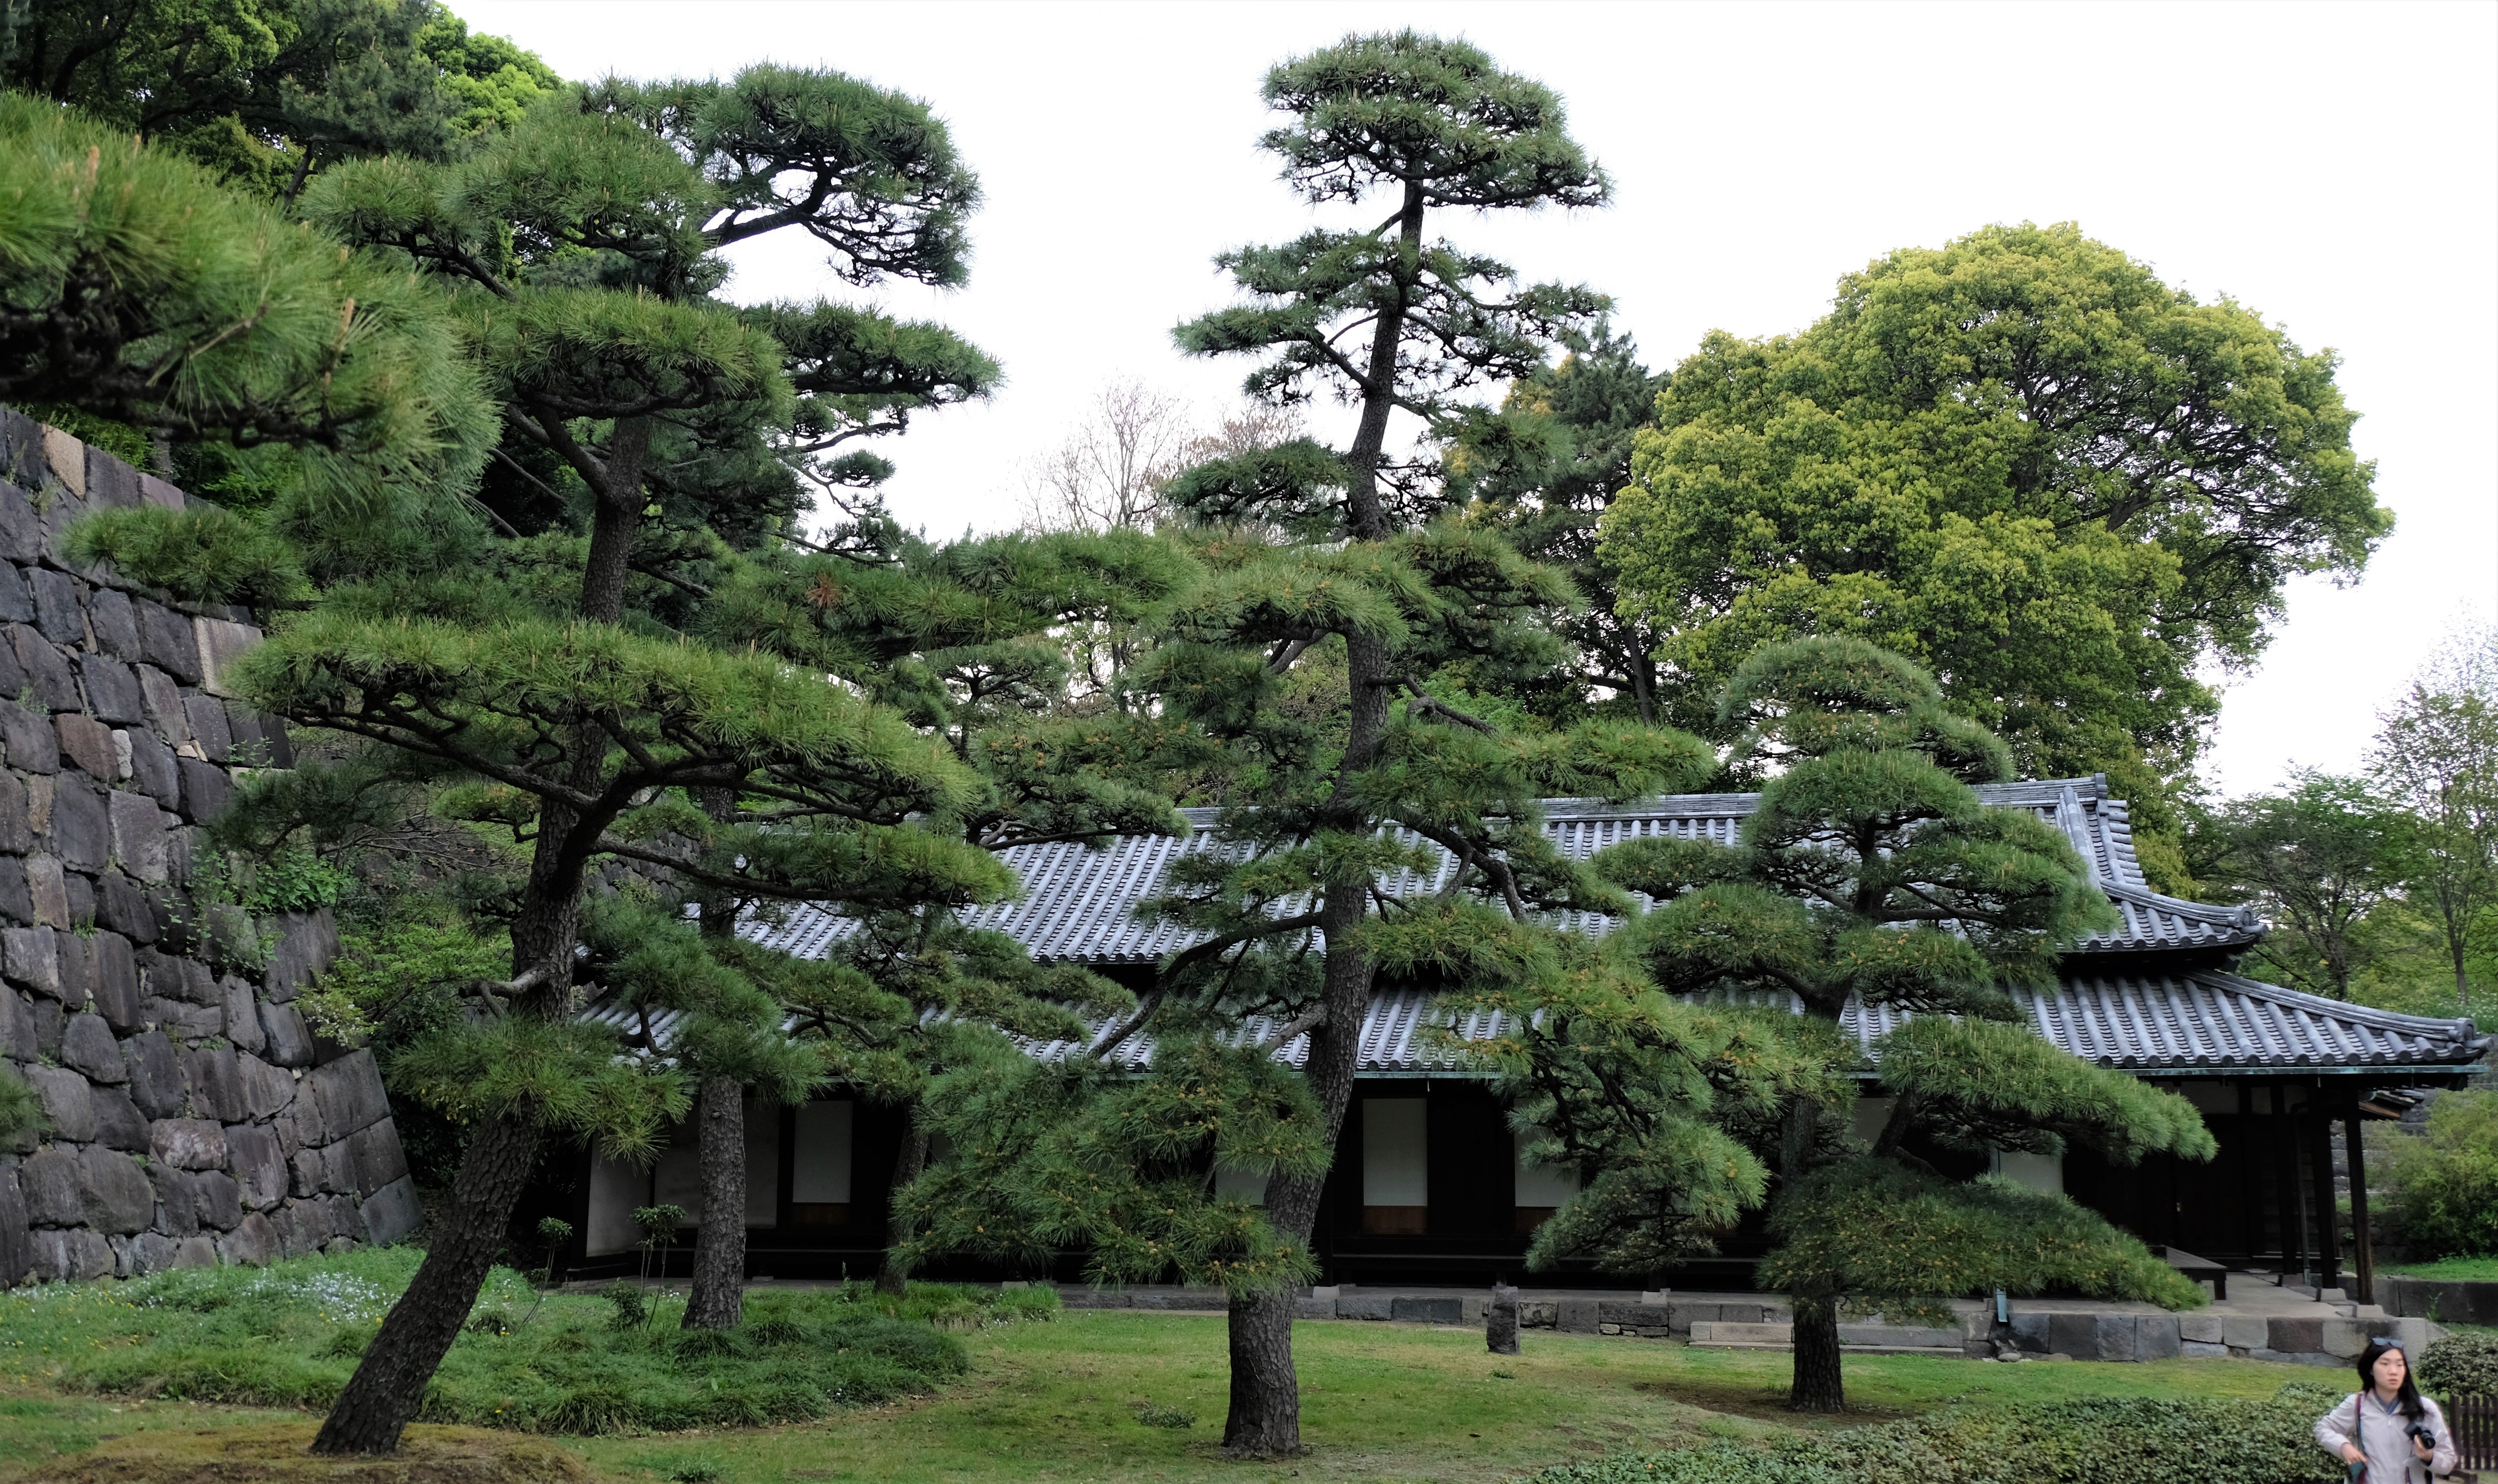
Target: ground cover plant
1068	1400
290	1334
2447	1270
2098	1440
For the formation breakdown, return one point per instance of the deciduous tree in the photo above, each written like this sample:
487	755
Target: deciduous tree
2022	460
2320	857
2437	753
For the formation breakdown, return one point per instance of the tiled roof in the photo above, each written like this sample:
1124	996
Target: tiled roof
2159	1023
1080	904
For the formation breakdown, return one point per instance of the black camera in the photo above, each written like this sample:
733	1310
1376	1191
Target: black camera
2424	1433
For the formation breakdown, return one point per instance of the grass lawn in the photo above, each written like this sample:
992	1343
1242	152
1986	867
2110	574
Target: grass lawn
2449	1269
1062	1400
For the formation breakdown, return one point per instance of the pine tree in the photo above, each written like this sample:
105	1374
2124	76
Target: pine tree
563	669
1325	572
1541	469
1872	872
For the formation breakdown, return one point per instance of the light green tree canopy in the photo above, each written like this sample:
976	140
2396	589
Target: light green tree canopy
2023	461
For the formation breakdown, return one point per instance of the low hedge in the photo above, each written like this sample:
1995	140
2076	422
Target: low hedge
2460	1365
2098	1440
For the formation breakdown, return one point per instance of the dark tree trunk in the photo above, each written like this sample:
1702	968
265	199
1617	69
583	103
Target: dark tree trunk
896	1272
617	518
1264	1420
717	1299
389	1384
1500	1320
1818	1387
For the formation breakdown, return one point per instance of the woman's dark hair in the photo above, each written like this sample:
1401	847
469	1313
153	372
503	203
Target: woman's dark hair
2408	1400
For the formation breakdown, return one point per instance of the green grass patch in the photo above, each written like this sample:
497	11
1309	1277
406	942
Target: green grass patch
2449	1270
290	1334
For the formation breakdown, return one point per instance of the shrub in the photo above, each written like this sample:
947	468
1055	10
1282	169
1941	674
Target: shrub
2100	1440
2444	1185
2460	1365
289	1335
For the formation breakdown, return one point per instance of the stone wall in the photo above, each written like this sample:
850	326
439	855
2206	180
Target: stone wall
192	1116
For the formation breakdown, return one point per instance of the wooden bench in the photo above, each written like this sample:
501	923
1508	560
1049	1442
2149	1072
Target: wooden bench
2201	1270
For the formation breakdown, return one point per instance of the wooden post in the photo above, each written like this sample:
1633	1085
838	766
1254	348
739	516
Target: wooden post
2328	1224
2363	1247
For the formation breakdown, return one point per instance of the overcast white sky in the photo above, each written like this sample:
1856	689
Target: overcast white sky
2334	166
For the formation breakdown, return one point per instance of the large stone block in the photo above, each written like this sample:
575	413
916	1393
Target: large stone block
31	744
49	1018
221	645
177	1211
49	1180
78	975
116	980
151	1253
120	1199
1642	1316
119	1122
48	890
164	715
156	1082
15	1256
289	1040
153	768
187	1023
1411	1311
1577	1316
27	960
16	600
215	1080
2348	1337
208	718
116	628
243	1016
265	1088
188	1143
69	1103
307	940
81	833
349	1094
48	673
113	691
206	790
167	639
252	1244
80	892
217	1198
2294	1335
87	1045
2157	1337
112	484
374	1158
16	831
138	836
17	894
69	1256
126	909
195	1252
1365	1306
60	606
392	1213
260	1167
17	1027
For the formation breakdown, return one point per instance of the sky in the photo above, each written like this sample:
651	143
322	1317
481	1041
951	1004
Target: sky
2333	167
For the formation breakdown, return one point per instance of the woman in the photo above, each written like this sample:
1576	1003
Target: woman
2372	1431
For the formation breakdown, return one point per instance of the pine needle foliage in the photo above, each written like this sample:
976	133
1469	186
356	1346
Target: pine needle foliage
1314	679
1870	874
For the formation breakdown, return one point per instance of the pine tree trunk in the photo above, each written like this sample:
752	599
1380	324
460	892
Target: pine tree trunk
1264	1420
1818	1386
892	1277
718	1301
389	1385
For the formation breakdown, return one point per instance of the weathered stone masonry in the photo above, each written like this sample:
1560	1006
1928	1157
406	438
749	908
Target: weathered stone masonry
193	1119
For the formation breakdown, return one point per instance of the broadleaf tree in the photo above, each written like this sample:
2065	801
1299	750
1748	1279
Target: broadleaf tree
1328	566
2023	461
1871	873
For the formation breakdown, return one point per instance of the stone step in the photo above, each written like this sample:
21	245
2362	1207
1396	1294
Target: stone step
1882	1339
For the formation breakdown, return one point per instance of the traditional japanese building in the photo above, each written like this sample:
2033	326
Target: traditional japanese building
1428	1187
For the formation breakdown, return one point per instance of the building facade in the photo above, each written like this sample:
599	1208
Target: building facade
1427	1185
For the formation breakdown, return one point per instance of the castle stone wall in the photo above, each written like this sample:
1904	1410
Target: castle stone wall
193	1116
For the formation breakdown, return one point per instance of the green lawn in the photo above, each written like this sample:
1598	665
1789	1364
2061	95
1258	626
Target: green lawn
1061	1401
2450	1270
